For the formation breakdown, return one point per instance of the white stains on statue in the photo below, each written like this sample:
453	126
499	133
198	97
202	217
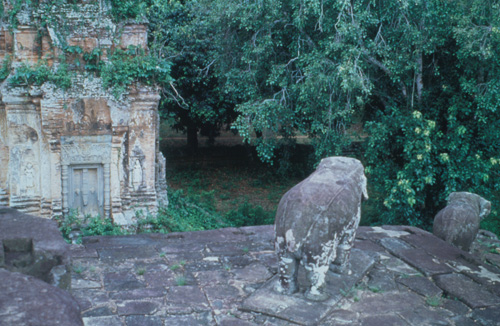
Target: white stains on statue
317	275
290	241
318	268
278	242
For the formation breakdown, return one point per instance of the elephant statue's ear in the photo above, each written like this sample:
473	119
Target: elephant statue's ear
485	208
363	187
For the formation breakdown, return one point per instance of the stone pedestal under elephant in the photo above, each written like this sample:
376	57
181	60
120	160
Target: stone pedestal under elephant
316	223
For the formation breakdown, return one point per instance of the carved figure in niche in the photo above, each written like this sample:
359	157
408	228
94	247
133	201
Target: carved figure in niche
458	223
29	179
137	175
85	123
23	134
316	223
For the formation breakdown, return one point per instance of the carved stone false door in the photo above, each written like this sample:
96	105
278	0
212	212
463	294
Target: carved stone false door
86	190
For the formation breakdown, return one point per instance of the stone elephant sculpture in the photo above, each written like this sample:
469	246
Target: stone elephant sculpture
458	223
316	223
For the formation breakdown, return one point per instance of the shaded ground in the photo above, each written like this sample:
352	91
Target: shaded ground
204	278
232	185
228	169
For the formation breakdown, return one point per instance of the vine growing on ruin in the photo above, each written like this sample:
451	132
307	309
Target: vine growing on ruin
118	68
125	67
5	69
128	9
41	73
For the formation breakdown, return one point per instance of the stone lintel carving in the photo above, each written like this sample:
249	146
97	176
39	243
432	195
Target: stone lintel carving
316	223
85	149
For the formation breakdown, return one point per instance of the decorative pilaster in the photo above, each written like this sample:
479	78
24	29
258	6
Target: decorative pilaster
65	191
107	190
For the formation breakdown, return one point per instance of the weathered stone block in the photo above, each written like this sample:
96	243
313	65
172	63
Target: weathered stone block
421	285
466	290
34	246
487	316
383	320
25	300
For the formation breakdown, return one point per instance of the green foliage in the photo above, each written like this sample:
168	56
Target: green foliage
447	138
41	73
248	214
180	280
197	100
121	68
184	213
121	10
11	15
375	289
420	76
30	75
128	9
198	212
72	226
93	60
68	224
78	269
5	69
492	222
434	301
125	67
100	226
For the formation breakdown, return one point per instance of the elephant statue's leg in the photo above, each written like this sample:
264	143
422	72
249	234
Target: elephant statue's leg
341	263
317	267
288	272
317	277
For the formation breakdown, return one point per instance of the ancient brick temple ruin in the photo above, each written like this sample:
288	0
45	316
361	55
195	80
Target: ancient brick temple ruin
79	149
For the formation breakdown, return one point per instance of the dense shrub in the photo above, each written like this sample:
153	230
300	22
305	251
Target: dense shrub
248	214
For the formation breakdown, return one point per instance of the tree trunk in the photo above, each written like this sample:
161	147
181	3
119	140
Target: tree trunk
192	137
420	81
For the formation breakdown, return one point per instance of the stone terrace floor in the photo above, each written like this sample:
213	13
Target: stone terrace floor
203	278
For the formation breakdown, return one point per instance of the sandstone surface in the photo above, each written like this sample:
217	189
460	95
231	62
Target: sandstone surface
25	300
216	278
33	246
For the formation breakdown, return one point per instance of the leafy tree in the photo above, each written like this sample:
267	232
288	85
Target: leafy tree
195	101
421	75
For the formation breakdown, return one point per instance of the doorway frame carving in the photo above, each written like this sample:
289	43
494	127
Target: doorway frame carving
86	150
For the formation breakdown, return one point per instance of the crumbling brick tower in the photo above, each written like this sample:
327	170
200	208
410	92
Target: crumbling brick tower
67	144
